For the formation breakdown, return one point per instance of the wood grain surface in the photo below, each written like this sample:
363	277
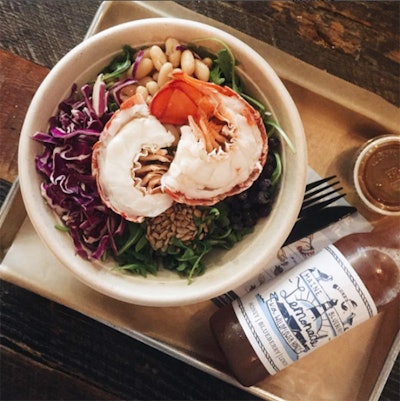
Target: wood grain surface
23	78
51	352
357	41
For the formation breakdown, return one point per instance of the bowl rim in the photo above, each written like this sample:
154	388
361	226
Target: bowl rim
158	293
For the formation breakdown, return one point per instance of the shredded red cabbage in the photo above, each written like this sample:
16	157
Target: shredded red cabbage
184	47
69	187
136	63
116	89
99	96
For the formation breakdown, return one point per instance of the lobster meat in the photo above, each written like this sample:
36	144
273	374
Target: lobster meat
220	151
223	145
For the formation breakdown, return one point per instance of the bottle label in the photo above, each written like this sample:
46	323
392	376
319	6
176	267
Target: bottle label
301	310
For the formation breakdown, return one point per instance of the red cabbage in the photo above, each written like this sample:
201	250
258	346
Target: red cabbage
116	89
136	63
69	187
100	95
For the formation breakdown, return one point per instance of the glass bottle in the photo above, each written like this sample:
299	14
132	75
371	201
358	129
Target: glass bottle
299	307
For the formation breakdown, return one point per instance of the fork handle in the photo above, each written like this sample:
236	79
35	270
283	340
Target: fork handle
319	220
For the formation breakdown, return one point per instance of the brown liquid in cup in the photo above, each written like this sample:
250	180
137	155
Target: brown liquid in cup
379	176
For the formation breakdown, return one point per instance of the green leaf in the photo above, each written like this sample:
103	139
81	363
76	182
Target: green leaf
61	227
255	103
282	134
119	64
226	64
216	76
135	232
143	241
276	175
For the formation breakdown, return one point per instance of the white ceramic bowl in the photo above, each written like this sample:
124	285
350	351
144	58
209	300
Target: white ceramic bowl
226	270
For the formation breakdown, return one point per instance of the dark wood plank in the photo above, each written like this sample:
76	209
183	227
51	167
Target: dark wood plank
37	381
42	31
87	356
16	92
356	41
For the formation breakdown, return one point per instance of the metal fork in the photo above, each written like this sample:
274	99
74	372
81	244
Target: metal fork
318	195
316	212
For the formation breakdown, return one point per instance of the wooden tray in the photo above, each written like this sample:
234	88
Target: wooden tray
338	117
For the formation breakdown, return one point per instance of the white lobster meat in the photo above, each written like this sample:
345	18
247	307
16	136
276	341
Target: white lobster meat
223	145
221	150
129	159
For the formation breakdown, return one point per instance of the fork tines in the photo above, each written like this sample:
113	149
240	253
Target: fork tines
318	195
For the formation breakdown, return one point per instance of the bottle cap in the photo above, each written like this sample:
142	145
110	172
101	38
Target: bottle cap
377	174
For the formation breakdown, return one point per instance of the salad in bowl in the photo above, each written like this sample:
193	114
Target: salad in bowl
168	164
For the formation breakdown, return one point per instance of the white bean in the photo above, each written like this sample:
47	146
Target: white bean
175	58
165	74
152	87
201	71
208	62
142	90
158	56
170	45
145	79
187	62
144	68
173	54
146	52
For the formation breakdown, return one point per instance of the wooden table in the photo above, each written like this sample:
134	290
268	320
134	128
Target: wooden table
51	352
